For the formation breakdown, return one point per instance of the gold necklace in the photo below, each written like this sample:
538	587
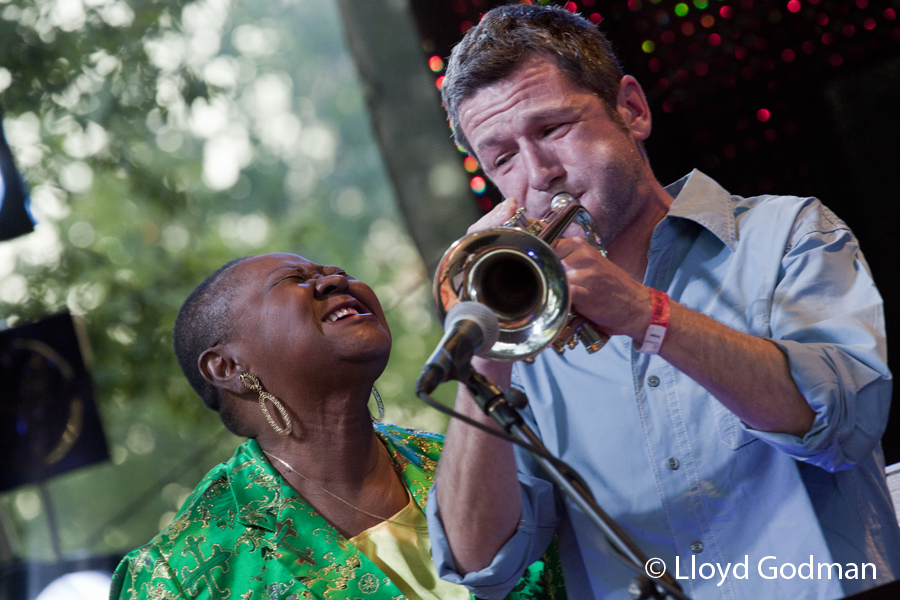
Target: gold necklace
336	497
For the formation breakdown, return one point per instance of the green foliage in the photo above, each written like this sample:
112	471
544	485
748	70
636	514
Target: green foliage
161	140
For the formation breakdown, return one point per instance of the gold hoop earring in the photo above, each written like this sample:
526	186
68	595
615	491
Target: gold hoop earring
380	404
252	383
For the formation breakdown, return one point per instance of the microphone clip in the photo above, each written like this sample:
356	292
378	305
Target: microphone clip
502	406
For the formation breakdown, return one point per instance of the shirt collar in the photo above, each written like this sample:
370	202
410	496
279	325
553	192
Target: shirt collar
262	494
259	490
698	198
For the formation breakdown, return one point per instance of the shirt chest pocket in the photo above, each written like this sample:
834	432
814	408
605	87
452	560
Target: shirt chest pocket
754	321
731	432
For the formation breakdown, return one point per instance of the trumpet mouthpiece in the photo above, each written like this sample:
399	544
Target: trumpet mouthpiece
561	200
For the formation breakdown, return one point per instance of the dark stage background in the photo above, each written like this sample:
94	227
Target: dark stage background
785	97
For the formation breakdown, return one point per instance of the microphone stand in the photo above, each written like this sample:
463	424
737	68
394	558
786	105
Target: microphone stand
502	407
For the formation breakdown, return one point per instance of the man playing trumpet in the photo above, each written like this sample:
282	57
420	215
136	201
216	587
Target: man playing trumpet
737	410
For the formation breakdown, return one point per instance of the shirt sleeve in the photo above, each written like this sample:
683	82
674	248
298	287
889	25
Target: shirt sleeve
540	517
145	575
827	318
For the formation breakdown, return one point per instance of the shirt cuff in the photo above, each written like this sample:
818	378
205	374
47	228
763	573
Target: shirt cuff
496	580
850	400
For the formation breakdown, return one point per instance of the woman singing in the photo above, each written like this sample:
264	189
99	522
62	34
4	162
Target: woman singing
318	502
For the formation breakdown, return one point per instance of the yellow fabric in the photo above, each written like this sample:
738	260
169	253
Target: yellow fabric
401	548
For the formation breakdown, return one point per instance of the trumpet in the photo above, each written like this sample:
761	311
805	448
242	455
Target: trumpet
513	270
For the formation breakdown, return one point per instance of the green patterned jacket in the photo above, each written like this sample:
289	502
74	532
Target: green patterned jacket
245	534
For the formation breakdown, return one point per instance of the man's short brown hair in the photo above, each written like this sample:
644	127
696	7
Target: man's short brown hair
509	36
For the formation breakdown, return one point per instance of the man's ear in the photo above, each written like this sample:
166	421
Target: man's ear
219	367
633	107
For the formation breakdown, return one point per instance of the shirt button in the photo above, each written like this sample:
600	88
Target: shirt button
696	547
653	380
673	463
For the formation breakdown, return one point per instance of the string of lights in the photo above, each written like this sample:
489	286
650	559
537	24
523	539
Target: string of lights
728	71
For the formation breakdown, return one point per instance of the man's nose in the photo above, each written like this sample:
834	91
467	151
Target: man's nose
544	169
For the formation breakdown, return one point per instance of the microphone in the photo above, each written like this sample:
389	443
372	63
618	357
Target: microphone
469	328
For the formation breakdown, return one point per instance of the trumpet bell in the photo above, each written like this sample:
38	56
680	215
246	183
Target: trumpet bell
515	274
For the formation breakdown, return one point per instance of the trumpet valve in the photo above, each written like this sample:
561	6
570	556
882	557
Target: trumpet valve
559	345
592	339
519	220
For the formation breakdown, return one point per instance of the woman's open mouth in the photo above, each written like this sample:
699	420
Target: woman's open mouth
345	310
340	314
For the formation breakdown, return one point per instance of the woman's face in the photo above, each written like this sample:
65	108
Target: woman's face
296	319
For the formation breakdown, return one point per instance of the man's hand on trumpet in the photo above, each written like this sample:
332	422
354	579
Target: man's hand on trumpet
603	292
600	291
497	216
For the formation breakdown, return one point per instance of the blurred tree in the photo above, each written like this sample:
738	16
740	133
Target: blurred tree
161	140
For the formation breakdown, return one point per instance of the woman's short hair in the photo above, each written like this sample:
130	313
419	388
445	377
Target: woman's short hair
508	36
204	321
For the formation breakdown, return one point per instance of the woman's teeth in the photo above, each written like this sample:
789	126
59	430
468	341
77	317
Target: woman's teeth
339	314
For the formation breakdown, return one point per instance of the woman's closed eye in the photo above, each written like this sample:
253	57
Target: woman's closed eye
293	277
302	276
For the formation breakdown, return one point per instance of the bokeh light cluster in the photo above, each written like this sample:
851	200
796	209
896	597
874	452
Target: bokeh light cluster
741	64
736	73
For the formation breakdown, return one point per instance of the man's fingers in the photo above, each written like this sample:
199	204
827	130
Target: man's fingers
574	248
499	215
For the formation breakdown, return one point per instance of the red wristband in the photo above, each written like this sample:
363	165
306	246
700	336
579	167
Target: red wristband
659	321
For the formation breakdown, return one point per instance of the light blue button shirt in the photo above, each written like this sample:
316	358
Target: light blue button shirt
681	474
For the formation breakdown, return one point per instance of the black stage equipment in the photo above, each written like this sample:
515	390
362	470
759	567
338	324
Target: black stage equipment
48	420
15	219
